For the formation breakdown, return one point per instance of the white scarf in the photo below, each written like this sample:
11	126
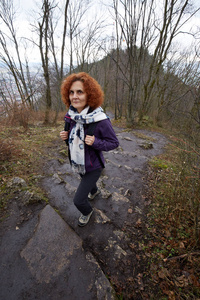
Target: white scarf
77	136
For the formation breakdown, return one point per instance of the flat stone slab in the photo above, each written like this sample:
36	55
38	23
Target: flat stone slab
56	251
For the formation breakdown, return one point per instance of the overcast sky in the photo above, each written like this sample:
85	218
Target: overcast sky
26	8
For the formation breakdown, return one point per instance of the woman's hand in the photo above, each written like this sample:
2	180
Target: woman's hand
89	140
64	135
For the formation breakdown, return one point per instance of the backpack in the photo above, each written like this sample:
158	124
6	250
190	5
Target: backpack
90	128
90	131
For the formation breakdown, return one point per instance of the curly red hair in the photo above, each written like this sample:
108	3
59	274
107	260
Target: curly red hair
95	95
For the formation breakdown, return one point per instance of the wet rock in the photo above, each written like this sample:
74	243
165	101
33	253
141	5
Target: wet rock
116	179
37	177
105	194
119	198
119	150
16	182
121	190
131	154
138	210
127	193
111	242
127	167
28	197
118	251
57	178
56	250
113	163
23	196
146	145
138	170
50	246
104	290
103	178
70	188
119	234
114	152
100	217
127	138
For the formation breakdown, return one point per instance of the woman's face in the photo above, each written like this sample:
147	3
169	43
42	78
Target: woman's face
77	96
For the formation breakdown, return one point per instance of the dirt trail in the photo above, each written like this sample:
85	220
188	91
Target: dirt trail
47	256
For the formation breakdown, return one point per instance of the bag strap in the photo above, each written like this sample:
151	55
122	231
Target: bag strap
67	125
66	128
91	128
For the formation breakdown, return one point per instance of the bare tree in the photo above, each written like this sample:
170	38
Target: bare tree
64	38
85	44
146	27
172	14
118	107
53	28
133	22
77	11
13	59
44	51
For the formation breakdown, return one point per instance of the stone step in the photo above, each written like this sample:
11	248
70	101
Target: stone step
56	251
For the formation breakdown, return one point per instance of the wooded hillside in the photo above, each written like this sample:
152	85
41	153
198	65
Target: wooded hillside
129	46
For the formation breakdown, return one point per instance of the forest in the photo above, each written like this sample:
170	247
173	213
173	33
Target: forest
132	51
146	57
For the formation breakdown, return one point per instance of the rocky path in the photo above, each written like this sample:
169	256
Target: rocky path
119	206
56	259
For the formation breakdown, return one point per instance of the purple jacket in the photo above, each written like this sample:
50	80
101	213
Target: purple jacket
105	140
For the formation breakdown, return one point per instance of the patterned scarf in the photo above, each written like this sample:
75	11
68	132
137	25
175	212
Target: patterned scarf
77	136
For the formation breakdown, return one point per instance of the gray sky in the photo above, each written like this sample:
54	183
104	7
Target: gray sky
26	8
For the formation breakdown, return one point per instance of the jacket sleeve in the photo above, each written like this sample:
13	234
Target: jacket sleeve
105	137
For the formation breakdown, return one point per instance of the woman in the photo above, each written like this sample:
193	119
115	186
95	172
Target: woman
84	97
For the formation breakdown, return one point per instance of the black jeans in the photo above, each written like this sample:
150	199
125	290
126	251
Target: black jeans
86	186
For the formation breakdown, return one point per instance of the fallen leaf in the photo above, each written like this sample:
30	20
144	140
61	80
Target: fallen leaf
181	245
138	223
167	233
181	281
161	255
132	245
171	295
163	273
140	281
194	280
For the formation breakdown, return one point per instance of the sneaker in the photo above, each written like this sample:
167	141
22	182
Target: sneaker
83	220
92	196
